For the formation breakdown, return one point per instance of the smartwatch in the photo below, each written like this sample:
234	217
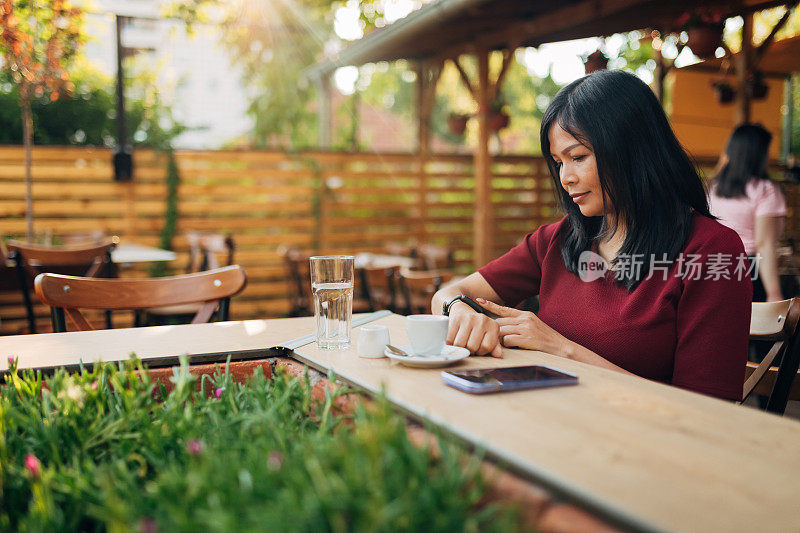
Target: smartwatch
478	308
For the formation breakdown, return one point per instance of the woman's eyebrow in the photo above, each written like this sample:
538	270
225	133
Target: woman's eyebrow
570	147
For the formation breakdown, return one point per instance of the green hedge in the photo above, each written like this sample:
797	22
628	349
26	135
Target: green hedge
106	450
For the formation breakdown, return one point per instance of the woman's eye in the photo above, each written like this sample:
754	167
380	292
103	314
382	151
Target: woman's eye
579	158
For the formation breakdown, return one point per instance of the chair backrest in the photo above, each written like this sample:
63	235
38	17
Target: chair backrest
88	258
418	287
777	322
299	278
72	293
435	257
378	285
205	250
91	259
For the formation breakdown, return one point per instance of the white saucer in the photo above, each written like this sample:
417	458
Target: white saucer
448	356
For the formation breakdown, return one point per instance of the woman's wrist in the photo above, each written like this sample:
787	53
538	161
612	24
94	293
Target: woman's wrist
563	347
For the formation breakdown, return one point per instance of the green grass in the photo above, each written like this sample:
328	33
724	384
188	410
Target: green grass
104	450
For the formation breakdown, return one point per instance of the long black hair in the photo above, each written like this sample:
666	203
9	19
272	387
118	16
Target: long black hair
747	152
651	182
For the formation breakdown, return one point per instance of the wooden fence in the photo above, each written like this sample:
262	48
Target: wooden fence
319	201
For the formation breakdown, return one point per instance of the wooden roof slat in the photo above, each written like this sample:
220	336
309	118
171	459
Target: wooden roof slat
455	25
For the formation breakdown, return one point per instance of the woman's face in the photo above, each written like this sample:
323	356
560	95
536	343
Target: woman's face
577	171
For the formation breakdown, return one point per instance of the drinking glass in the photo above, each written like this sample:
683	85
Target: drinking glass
332	289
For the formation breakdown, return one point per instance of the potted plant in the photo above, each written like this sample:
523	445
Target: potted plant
498	118
704	29
457	123
724	90
595	61
755	85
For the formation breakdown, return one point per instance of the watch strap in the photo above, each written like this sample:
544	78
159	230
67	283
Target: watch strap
462	298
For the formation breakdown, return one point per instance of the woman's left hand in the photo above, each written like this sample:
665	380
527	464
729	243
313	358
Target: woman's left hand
523	329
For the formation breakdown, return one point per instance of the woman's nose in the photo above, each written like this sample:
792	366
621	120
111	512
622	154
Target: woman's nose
566	175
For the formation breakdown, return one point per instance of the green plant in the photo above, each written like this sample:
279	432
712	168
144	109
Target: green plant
37	44
107	450
170	209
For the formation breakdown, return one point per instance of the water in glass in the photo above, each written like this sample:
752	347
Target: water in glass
333	309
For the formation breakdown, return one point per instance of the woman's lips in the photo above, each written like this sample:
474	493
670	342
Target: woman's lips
578	196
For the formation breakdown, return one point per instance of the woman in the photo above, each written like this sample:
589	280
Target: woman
746	200
629	191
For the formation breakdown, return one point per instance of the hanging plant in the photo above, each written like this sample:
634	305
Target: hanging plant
457	124
755	86
724	91
595	61
498	119
704	29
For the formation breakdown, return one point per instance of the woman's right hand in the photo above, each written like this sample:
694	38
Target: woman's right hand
474	331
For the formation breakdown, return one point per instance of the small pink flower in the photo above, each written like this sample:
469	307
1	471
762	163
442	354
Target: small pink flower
148	524
94	385
12	362
218	392
33	465
275	460
194	447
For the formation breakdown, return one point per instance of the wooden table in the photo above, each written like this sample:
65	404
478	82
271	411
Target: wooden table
127	253
382	261
644	455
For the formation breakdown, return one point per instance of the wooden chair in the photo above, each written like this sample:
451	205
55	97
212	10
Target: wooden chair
776	322
299	278
435	257
90	260
378	287
417	288
69	294
204	253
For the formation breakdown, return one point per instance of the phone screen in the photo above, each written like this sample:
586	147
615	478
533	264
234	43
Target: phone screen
512	374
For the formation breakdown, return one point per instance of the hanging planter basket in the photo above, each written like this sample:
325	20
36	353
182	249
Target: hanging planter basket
704	40
756	87
594	62
498	120
724	91
457	124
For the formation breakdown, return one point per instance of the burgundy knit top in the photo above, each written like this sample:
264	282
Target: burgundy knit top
685	325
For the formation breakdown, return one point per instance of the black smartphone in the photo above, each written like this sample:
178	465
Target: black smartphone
484	380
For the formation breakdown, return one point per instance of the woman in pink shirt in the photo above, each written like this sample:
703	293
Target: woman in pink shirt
638	277
744	198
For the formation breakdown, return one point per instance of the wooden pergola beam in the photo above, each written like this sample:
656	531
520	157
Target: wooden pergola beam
508	55
465	78
765	44
483	220
743	63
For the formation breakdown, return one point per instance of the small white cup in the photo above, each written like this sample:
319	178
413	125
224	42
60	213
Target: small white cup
427	334
372	341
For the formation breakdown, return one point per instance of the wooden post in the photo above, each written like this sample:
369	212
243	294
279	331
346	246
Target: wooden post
428	73
423	146
324	112
660	74
483	219
743	64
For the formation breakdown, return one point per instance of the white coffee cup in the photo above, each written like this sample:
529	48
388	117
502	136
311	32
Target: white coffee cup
427	334
372	341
